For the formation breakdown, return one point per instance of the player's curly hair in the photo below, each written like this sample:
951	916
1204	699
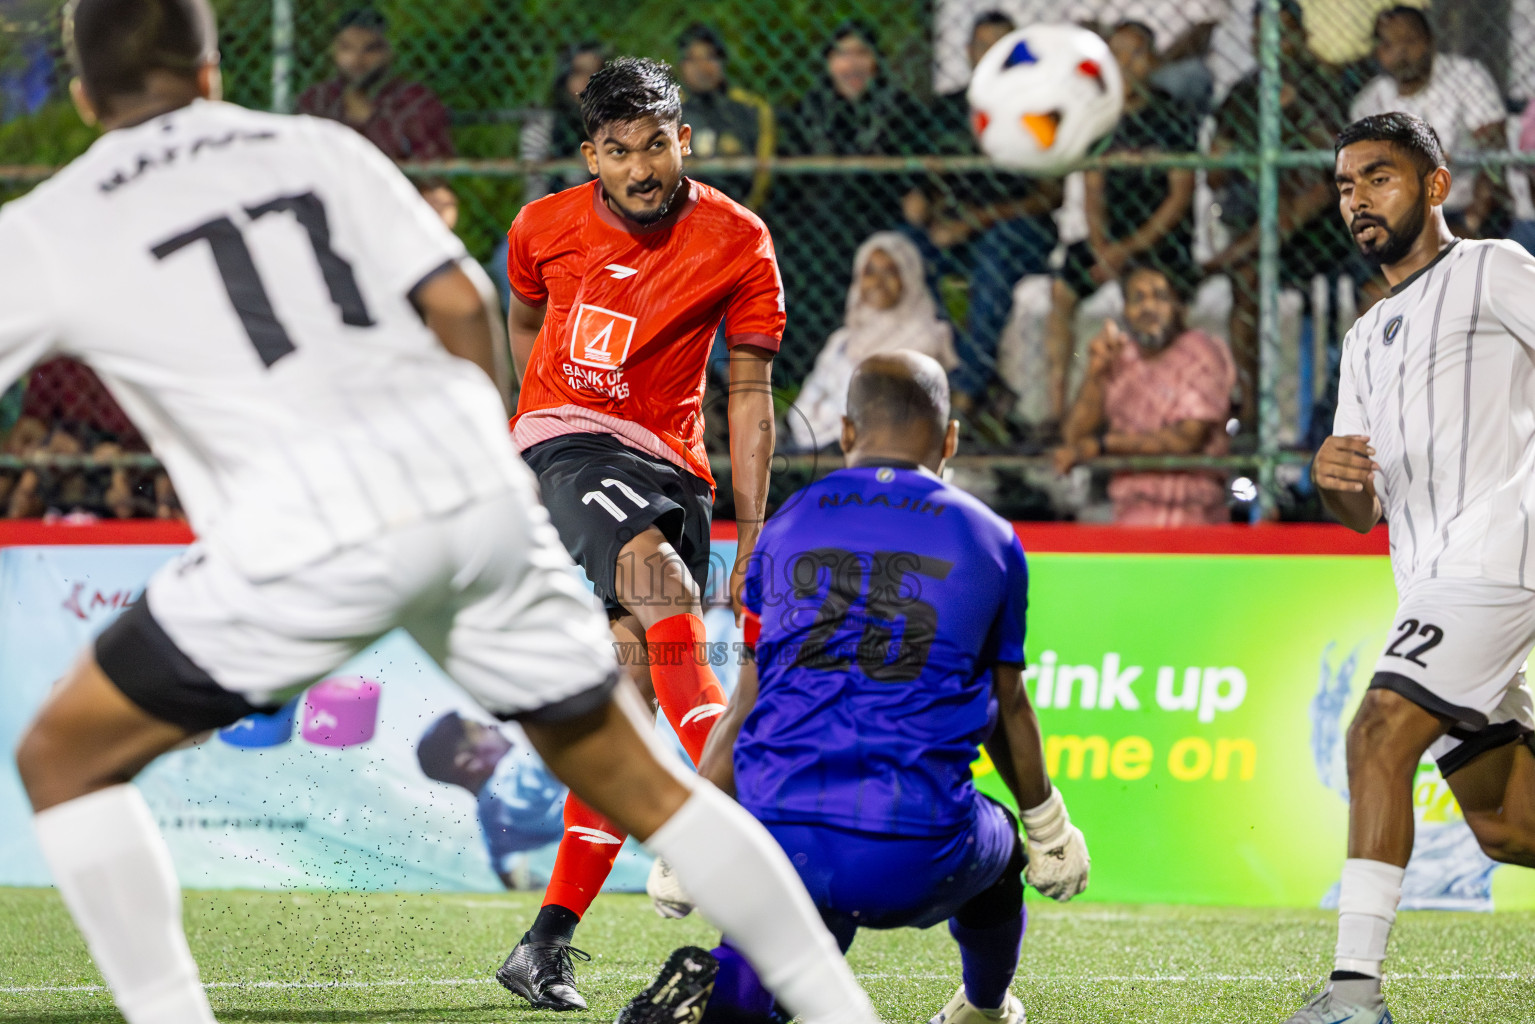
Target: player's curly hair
1412	135
115	44
626	89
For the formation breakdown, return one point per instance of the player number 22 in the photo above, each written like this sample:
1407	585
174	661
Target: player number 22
1408	628
243	282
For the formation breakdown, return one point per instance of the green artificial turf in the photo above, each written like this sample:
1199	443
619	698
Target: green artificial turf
376	958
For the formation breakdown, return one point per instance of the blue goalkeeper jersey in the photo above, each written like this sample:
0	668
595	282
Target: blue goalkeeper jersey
886	597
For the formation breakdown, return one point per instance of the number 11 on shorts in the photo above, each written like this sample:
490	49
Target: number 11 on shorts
609	504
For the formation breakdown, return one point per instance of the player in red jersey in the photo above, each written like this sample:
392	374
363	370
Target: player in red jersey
618	289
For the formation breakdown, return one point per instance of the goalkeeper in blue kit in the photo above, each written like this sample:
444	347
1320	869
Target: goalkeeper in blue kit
888	610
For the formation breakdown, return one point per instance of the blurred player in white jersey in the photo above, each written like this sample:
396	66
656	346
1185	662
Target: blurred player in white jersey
275	306
1436	432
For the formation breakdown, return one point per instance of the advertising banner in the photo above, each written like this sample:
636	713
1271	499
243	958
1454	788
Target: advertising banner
1194	708
352	786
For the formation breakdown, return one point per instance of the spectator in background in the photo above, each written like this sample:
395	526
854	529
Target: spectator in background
66	410
10	442
521	806
888	308
953	108
1524	231
1155	388
553	133
404	119
726	121
991	227
556	132
29	75
1458	98
1131	213
1342	32
819	220
10	407
1182	30
1312	108
64	394
439	195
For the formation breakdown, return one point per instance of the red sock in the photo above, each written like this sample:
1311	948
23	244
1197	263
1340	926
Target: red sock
588	849
689	692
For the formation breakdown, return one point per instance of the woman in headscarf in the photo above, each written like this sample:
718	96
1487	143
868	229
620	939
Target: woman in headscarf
888	307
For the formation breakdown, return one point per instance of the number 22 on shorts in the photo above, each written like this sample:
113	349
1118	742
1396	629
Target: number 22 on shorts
1407	629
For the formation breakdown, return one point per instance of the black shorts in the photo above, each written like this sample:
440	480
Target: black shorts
601	494
146	665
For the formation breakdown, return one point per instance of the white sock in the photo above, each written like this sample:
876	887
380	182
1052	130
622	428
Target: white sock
115	873
743	884
1367	899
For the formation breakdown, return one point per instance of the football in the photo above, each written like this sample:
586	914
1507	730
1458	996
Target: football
1043	95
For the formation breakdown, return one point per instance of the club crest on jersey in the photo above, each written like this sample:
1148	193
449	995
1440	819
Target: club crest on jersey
1393	328
600	338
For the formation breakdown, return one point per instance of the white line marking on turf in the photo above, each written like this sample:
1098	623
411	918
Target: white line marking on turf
869	976
382	983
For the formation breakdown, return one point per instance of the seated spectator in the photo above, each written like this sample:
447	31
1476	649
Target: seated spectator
1182	30
10	443
1132	212
726	121
1524	230
100	492
404	119
1458	98
855	110
66	410
439	195
1342	32
953	107
1155	388
63	394
29	74
888	307
1312	238
553	133
556	132
991	227
10	408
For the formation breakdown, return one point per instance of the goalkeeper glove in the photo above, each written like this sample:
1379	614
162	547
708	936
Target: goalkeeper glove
1058	858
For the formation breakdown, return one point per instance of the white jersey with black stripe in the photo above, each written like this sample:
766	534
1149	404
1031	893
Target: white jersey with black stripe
242	282
1441	377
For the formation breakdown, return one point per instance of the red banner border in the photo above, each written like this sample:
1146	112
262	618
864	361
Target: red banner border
1077	538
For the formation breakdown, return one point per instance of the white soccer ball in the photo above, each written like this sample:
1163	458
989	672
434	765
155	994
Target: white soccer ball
1043	95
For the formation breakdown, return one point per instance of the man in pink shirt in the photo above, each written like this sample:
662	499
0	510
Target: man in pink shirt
1154	388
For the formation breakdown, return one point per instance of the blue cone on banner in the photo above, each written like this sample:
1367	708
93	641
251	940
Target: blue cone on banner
262	730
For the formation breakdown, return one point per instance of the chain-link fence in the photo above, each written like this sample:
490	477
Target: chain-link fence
844	125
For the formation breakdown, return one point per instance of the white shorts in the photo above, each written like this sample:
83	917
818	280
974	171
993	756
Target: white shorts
1457	648
488	591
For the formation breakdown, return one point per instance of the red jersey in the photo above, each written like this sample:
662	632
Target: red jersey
632	314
